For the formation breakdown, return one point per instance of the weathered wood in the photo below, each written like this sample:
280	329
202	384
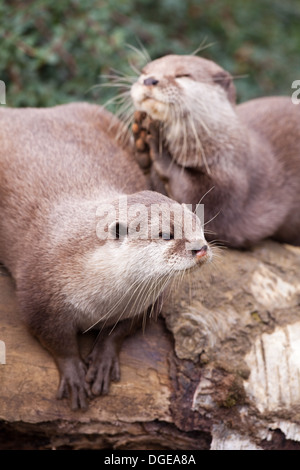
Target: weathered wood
242	325
226	373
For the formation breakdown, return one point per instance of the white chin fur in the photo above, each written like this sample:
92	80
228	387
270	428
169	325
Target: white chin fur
155	109
142	102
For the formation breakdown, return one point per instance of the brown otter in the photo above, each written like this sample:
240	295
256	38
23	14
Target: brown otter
244	161
69	241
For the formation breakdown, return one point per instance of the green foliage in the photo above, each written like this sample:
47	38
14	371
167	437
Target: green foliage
54	52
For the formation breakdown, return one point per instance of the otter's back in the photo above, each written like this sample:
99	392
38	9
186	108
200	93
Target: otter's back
278	120
64	152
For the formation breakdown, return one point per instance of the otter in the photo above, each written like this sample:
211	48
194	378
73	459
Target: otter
66	237
242	160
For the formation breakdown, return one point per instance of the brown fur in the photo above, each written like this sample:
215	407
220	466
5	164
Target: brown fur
246	165
57	166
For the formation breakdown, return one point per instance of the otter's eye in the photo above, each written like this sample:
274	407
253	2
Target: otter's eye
118	230
182	75
166	235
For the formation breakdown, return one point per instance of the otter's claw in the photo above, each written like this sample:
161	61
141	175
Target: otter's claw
72	383
103	368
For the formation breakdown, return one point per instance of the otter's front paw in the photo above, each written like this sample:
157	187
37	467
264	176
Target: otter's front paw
141	133
103	367
73	384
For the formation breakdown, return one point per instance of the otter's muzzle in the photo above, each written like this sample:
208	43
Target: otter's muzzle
200	254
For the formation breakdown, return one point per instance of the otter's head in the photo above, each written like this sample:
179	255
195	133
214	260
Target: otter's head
192	97
145	241
152	235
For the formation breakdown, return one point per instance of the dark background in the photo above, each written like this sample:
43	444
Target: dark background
54	52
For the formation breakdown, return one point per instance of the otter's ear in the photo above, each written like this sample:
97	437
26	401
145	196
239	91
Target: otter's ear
224	79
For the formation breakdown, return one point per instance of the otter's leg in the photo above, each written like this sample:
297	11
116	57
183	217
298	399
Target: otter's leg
103	361
165	173
178	182
57	334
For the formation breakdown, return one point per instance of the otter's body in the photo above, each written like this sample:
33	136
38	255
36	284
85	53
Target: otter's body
244	161
58	167
50	158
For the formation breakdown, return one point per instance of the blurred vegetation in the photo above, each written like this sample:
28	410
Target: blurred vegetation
54	52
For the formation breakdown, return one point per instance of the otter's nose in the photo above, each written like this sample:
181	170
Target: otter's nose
200	253
150	81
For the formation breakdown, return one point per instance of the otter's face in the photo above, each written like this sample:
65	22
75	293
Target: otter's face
167	83
147	235
190	96
157	240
